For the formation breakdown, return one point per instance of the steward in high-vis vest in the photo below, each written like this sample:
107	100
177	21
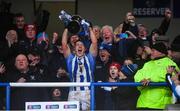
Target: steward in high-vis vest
154	97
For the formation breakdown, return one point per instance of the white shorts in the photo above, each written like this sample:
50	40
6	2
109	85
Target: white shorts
82	96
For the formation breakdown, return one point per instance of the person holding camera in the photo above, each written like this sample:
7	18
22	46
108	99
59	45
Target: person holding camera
125	36
80	67
129	27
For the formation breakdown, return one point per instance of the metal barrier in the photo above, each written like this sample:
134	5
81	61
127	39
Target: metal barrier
118	84
7	94
70	84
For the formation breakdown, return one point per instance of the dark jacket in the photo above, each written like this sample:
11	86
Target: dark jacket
101	74
25	94
55	61
125	97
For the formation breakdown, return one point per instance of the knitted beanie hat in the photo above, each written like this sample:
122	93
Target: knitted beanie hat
161	47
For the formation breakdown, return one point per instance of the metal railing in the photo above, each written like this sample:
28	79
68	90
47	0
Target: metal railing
71	84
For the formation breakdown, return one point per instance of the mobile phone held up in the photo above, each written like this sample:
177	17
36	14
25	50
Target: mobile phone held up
122	35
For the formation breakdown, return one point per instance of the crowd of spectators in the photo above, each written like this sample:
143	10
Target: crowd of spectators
126	54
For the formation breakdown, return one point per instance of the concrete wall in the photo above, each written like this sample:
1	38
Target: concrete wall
55	24
53	6
25	7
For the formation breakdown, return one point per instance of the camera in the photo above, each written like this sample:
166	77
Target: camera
75	24
122	35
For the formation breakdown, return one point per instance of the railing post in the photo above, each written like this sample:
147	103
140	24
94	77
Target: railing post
92	97
8	98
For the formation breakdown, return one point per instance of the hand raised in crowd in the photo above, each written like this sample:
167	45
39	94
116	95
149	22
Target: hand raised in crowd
11	37
2	69
34	62
55	37
34	59
168	13
60	49
121	76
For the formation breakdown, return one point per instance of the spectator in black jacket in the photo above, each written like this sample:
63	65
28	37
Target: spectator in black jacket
101	74
20	26
56	58
24	74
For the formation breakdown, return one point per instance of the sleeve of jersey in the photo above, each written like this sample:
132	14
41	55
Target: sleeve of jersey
69	62
92	60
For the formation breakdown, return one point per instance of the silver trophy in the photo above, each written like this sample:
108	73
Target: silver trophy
75	24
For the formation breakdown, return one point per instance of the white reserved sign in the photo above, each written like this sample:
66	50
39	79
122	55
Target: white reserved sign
53	106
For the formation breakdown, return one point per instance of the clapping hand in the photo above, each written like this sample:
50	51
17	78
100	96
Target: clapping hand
168	13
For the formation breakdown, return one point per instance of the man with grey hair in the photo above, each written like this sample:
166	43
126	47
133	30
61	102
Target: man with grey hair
108	40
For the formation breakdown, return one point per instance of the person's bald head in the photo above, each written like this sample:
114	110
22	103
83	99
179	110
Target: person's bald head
21	62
